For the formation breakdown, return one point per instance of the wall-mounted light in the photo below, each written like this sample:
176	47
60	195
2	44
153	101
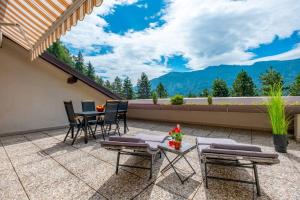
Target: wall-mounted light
72	80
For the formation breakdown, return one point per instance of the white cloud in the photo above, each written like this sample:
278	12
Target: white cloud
207	32
289	55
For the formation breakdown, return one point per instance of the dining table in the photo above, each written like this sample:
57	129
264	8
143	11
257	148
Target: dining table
86	115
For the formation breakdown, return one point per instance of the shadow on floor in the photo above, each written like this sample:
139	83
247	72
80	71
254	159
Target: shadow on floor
220	189
129	182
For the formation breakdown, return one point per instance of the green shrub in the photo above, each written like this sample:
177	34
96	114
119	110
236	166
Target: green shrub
154	97
276	111
177	100
209	100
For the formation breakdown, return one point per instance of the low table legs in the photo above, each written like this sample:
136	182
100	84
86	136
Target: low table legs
172	165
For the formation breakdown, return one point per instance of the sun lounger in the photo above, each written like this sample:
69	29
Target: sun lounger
227	152
141	145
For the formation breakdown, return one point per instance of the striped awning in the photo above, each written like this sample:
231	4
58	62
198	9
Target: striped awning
36	24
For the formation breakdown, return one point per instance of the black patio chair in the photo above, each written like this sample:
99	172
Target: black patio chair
122	114
74	121
86	107
110	118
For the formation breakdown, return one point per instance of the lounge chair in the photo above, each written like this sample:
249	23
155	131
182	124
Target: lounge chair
142	145
227	152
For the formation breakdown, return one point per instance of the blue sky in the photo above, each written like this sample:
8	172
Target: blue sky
127	37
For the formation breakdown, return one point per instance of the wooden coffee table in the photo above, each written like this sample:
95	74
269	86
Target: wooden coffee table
185	149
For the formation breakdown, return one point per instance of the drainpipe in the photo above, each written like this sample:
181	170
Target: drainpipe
1	39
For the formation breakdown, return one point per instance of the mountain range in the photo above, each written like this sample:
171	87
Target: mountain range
195	81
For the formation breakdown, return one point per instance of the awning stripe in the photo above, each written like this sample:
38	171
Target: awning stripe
30	32
23	11
49	5
42	21
41	11
26	23
14	35
21	16
69	21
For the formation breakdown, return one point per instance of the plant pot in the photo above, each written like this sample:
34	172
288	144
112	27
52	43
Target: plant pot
177	145
280	143
171	143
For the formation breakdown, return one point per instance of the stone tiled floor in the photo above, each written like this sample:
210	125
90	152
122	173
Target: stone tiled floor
40	166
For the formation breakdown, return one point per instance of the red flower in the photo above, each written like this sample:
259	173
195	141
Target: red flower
177	130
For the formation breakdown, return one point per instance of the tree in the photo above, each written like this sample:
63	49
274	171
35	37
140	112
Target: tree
204	93
243	86
107	84
161	91
127	90
143	87
270	78
295	87
90	72
219	88
191	95
99	80
79	64
117	86
61	52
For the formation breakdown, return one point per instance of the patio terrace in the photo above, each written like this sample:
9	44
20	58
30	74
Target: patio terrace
40	166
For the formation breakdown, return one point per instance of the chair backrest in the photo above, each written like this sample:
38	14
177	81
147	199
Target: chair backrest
89	106
111	112
70	112
123	106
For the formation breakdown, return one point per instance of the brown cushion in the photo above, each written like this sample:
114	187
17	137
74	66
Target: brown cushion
209	141
240	153
153	138
123	144
153	145
126	139
236	147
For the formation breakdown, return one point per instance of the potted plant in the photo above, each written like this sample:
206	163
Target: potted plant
176	135
154	98
177	100
278	119
209	100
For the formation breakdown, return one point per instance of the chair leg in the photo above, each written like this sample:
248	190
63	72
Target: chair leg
72	133
107	129
205	176
256	180
103	132
117	128
118	161
93	133
79	129
151	166
95	128
67	133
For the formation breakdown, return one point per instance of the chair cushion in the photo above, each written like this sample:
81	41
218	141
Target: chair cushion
152	138
126	139
236	147
153	145
240	153
209	141
120	145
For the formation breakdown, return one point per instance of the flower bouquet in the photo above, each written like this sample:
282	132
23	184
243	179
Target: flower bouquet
176	135
100	108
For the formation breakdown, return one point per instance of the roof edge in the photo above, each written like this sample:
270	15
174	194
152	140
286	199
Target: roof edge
69	70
